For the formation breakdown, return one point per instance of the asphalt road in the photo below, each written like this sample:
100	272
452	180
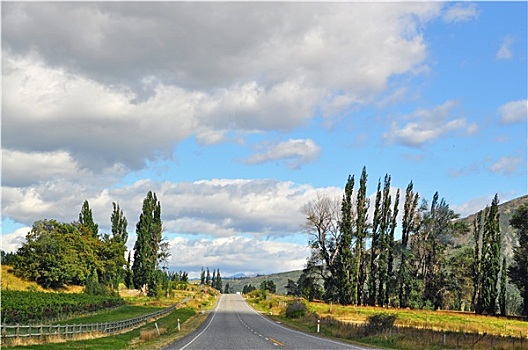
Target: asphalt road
235	325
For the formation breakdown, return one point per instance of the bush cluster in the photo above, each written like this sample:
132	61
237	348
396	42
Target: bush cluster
379	323
296	309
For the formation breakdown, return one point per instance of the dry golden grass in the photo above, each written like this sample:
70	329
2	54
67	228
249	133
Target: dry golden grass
9	281
419	319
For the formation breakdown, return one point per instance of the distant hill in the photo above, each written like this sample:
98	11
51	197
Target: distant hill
509	237
280	280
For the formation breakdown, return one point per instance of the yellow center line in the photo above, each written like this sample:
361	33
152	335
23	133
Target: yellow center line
276	341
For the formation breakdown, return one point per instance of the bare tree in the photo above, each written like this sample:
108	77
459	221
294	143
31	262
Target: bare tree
322	219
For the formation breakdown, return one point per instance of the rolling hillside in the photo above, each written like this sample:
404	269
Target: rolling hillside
509	238
280	280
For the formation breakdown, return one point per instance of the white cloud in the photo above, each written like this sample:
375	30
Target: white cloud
216	208
237	255
120	85
294	152
428	124
504	52
505	165
20	169
514	111
472	206
461	12
12	241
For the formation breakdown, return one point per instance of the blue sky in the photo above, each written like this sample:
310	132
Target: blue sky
238	114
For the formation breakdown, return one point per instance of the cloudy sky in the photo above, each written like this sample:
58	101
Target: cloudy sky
236	114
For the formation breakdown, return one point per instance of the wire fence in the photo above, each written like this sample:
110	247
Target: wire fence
72	330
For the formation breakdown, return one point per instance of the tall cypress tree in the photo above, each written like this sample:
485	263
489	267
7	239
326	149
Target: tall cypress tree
119	224
374	250
202	276
391	281
146	248
409	226
491	258
476	272
362	206
503	281
218	281
345	279
86	219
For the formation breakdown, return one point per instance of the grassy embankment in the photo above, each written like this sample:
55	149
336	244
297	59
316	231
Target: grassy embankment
144	337
439	321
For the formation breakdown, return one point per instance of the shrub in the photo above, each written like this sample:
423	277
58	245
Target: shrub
379	323
296	309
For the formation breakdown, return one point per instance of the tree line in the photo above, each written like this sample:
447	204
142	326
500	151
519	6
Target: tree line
355	260
57	254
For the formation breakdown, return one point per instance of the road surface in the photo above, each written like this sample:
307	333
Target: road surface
235	325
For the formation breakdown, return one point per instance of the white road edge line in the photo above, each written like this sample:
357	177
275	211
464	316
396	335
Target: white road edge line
301	333
211	320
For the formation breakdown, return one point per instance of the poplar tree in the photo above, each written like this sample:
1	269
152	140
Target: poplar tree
476	272
502	295
362	206
409	226
119	239
218	281
491	258
147	246
518	271
86	219
374	250
347	289
202	276
119	224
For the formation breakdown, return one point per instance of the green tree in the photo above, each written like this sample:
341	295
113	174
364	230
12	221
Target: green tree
382	251
208	277
409	227
202	276
309	288
119	224
292	288
346	288
218	281
147	246
503	282
56	254
518	270
360	261
477	264
117	245
436	232
491	257
86	219
375	250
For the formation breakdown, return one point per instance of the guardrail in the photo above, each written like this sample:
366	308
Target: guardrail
70	330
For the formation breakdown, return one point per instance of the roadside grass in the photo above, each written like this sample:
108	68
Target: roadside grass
450	322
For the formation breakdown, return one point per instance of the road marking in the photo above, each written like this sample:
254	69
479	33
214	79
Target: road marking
276	342
207	326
